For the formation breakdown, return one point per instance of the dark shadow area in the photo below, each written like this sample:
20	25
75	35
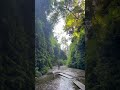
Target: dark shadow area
17	45
102	45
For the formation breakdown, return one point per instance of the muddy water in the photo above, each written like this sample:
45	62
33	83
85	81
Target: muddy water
58	83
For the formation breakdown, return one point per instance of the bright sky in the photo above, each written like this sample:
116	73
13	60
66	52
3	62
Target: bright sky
59	33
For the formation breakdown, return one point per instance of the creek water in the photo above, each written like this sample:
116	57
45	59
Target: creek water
60	82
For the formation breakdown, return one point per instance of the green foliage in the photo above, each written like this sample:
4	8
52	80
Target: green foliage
44	70
47	50
76	57
73	12
43	45
53	41
64	62
37	73
102	58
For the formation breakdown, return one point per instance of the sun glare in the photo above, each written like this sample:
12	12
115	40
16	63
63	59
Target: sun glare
60	33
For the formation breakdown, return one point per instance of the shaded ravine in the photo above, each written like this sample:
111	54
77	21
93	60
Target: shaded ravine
60	82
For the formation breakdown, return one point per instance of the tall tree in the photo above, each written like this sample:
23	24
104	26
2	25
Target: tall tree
74	14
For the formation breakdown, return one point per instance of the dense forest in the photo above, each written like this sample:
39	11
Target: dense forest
95	35
24	50
47	49
73	11
102	45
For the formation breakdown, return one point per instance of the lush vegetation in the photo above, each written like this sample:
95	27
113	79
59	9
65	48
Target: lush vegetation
102	36
102	40
73	13
102	46
101	25
76	56
47	49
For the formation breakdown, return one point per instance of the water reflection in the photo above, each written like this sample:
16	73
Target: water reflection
59	83
66	84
